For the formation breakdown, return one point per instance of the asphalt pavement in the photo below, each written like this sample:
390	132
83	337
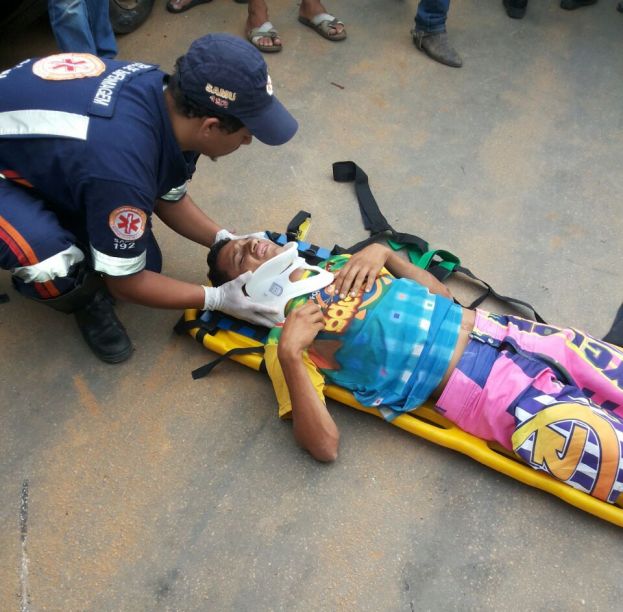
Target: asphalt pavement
133	487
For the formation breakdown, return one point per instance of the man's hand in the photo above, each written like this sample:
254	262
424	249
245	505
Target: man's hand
302	325
231	299
361	267
313	427
224	234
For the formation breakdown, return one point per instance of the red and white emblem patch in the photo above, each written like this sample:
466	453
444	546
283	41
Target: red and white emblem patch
66	66
127	222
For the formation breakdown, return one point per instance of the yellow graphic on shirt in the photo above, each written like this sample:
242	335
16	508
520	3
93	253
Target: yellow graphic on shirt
338	315
560	452
341	311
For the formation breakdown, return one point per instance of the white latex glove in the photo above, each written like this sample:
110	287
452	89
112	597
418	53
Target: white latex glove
231	299
222	234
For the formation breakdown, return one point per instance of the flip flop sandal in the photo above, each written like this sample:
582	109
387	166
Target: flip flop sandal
171	8
266	30
322	23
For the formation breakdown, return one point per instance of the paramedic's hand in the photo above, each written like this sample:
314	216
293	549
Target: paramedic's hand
302	325
361	270
231	299
223	234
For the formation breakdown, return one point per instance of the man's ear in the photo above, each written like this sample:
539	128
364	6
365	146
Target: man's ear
208	125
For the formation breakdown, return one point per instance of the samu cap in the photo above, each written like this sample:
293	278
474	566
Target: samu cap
228	75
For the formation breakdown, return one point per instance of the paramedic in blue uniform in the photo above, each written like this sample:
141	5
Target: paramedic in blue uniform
91	148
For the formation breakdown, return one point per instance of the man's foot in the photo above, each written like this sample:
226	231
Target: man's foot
437	46
102	330
261	33
314	15
515	9
571	5
265	38
179	6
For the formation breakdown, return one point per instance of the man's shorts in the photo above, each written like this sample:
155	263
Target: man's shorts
31	232
553	396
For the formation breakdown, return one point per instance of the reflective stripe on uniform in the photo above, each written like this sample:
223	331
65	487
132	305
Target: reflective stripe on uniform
24	254
176	194
43	123
56	266
117	266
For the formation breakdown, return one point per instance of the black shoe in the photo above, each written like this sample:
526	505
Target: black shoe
102	330
515	9
571	5
615	335
437	46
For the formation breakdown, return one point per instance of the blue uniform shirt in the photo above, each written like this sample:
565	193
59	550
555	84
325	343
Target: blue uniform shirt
94	139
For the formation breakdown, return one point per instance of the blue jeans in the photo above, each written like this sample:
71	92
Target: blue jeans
431	15
83	26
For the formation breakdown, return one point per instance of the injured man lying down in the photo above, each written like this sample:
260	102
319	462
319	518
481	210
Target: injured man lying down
391	334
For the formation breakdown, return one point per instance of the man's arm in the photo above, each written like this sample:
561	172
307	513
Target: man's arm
363	267
156	290
313	427
401	268
188	220
160	291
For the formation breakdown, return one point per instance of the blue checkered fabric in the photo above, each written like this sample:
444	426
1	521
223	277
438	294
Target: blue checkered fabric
396	349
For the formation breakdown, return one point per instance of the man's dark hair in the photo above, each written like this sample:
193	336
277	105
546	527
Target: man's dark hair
190	109
217	276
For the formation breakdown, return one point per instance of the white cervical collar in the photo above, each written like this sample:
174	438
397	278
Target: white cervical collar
270	284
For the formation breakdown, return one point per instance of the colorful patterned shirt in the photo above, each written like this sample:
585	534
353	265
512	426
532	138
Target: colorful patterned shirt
389	346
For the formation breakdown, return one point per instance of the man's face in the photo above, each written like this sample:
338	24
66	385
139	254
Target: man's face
245	254
217	142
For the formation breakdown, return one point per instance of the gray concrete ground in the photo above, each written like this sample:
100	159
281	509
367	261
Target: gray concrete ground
149	491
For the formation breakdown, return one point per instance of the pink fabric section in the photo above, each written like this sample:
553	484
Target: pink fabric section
593	364
596	367
482	412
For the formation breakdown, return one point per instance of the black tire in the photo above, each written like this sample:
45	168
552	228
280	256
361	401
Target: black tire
22	13
127	15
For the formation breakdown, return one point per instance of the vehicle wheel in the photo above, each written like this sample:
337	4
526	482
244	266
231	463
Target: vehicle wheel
17	15
127	15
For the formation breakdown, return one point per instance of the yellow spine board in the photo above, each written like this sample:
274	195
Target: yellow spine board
426	423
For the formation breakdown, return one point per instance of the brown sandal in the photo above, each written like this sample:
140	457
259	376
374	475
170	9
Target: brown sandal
322	23
266	30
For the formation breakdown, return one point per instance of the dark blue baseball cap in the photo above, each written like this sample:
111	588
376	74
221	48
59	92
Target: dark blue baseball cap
227	75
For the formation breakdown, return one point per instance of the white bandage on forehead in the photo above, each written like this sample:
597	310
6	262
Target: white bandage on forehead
53	267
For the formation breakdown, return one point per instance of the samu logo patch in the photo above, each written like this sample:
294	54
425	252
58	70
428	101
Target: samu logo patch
67	66
127	222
